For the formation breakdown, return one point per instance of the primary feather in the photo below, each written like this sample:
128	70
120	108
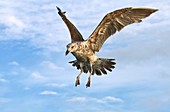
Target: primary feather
115	21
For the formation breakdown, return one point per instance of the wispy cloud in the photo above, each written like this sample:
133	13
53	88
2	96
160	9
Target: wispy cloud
3	80
77	99
56	85
14	25
31	24
14	63
37	77
112	99
49	93
50	65
104	100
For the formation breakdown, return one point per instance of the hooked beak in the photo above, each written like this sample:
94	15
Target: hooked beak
66	52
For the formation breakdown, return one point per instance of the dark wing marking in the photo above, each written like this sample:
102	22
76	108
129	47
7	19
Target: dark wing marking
115	21
75	34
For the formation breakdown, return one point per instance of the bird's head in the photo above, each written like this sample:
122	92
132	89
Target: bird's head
72	47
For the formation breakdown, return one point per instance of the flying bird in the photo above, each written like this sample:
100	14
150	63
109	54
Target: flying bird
84	50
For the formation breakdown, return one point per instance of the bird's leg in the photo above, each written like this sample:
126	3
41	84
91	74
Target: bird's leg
89	78
78	78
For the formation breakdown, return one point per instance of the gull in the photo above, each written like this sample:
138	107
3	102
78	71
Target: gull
84	50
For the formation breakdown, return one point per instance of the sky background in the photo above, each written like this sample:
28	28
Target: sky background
35	76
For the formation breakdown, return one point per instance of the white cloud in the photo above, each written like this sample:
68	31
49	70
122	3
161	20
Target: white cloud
14	25
34	22
27	88
104	100
3	80
57	85
50	32
36	76
50	65
112	99
14	63
49	93
77	99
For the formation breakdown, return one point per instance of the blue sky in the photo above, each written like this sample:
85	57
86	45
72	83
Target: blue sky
35	75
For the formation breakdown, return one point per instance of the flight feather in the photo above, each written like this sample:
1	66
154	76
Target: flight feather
115	21
75	34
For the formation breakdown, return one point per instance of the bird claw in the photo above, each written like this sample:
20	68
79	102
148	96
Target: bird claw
88	84
77	82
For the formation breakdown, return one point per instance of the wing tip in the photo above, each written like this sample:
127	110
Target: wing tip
59	11
154	10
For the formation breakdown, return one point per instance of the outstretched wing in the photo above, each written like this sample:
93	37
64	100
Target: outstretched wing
115	21
75	34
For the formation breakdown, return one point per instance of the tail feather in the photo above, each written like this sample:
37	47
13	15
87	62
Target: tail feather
103	70
97	71
103	64
100	66
109	69
75	63
85	69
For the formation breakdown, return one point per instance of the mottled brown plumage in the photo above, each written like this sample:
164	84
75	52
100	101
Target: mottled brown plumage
84	50
115	21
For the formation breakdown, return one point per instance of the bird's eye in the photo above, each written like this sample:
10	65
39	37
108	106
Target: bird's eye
72	47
